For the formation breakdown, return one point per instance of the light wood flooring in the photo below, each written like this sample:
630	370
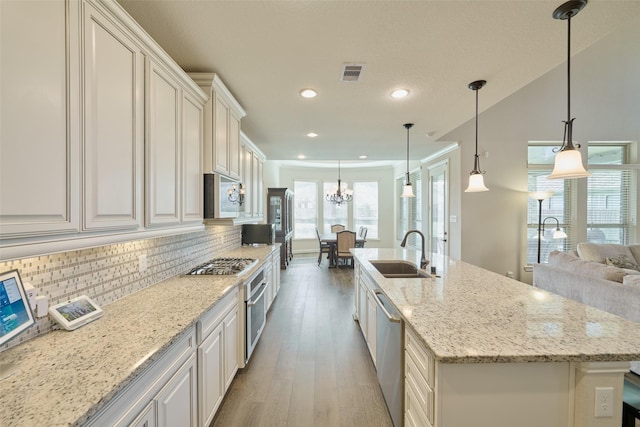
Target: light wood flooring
311	366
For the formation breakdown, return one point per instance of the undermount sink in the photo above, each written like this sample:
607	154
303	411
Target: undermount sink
396	269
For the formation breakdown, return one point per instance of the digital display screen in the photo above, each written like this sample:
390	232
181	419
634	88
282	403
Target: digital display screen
75	310
15	314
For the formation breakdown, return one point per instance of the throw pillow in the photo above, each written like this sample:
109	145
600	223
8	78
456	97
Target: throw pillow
623	261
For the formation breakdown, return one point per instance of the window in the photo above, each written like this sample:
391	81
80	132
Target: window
410	208
333	213
610	200
305	211
365	207
611	193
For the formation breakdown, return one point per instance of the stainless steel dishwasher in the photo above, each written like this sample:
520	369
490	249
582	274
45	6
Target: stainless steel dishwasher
390	356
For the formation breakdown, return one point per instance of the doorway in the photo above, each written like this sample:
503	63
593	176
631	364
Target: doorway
439	208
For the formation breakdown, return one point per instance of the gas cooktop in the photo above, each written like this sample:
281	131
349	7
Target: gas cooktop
223	266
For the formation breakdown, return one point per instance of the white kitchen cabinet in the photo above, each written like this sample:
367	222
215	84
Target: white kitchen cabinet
211	384
366	308
147	417
231	346
276	271
372	322
114	124
177	403
218	354
268	274
252	160
246	156
192	137
167	385
163	147
39	112
222	116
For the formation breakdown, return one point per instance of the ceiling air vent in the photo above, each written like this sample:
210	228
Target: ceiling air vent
351	72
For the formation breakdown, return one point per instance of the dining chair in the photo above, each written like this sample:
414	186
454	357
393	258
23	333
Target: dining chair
337	227
325	248
363	236
345	240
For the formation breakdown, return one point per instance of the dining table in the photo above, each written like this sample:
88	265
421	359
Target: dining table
332	240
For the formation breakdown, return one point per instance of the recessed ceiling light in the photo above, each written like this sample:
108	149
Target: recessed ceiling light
363	157
400	93
302	156
308	93
312	134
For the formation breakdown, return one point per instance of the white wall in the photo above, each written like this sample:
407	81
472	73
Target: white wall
606	104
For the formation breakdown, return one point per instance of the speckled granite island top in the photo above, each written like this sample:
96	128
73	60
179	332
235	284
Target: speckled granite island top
66	377
471	315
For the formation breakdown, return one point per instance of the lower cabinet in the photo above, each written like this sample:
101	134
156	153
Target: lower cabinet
163	395
218	354
176	402
366	309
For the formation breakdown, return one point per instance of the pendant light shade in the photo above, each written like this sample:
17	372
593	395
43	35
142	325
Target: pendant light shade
568	162
407	191
476	179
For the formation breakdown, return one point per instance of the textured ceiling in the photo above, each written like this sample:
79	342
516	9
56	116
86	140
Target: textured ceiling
267	51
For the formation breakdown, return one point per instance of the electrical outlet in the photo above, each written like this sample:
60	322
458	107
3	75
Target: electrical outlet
604	402
142	263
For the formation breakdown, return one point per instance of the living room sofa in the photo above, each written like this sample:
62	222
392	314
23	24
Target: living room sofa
605	276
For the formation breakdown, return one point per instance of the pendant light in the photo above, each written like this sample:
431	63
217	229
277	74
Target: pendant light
408	188
476	180
568	162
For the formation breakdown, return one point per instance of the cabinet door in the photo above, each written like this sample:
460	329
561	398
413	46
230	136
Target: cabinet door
362	314
231	331
114	125
211	374
39	165
247	161
221	136
372	332
163	148
177	402
255	181
259	190
234	146
192	139
147	417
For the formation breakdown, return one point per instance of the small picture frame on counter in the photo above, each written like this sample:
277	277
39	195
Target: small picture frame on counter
76	312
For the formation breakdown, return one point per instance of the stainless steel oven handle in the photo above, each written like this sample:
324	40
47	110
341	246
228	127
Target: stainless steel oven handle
384	310
255	301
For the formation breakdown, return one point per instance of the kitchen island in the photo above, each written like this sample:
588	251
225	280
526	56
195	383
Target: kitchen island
498	352
67	378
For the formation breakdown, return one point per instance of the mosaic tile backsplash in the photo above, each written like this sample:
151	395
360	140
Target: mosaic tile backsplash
110	272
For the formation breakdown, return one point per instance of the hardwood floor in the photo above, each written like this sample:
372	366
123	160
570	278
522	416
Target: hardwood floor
311	366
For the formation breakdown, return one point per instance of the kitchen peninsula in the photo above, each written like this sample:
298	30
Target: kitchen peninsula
485	350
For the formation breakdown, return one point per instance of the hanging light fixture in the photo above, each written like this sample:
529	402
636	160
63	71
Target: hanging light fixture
236	195
476	180
408	188
568	162
341	194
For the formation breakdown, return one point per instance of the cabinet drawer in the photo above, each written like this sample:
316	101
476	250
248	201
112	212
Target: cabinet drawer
423	359
216	314
422	394
414	414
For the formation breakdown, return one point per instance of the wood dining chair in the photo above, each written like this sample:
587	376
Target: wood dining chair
337	227
325	248
345	240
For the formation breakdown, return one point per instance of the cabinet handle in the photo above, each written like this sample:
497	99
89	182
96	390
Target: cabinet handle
255	301
384	310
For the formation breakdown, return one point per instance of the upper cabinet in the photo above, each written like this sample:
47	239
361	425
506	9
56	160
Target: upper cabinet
101	130
252	179
222	115
113	124
39	147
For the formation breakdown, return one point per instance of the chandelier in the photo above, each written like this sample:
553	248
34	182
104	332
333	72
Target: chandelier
341	194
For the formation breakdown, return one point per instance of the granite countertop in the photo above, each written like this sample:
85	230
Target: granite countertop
66	377
471	315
